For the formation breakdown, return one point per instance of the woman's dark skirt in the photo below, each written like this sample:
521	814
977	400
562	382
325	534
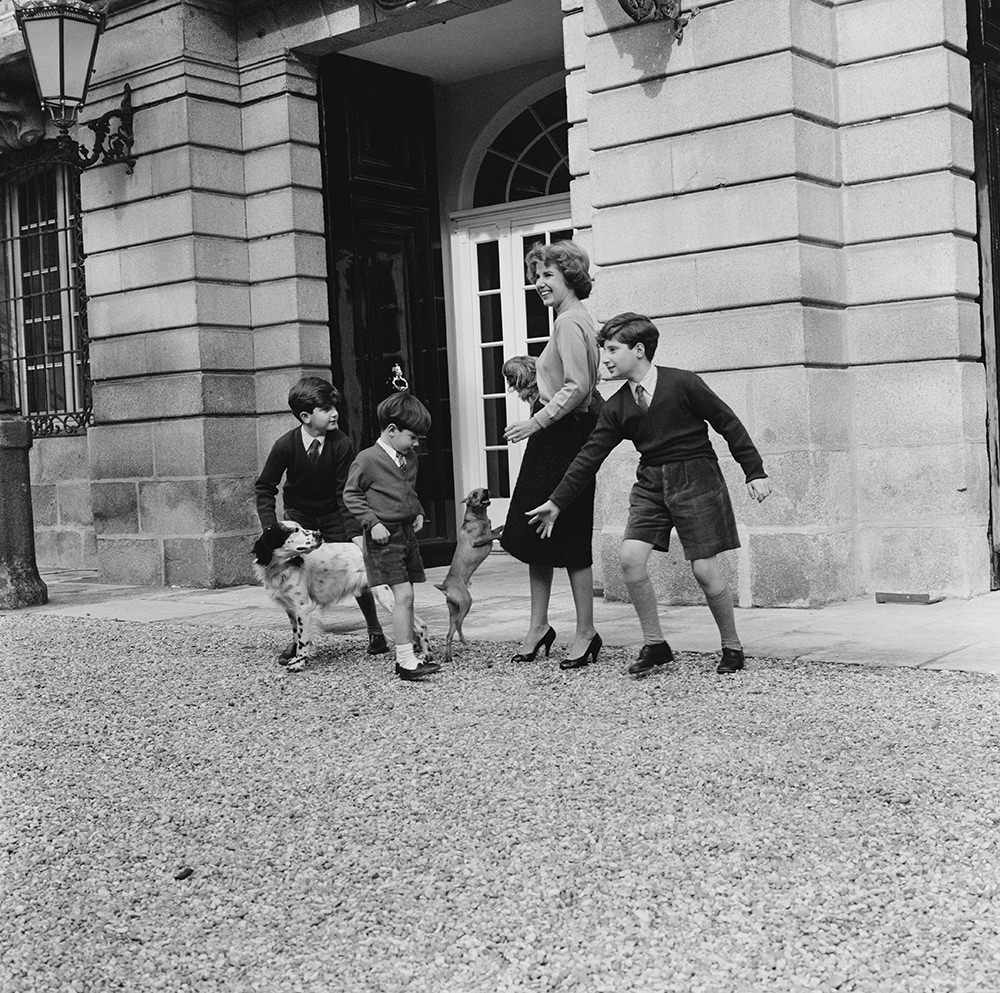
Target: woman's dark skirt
547	456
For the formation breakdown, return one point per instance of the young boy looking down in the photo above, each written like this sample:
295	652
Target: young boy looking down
381	493
665	412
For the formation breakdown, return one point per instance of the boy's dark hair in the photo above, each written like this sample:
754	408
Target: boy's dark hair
310	392
630	329
405	411
569	258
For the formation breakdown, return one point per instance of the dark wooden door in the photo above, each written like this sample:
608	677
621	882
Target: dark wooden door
384	261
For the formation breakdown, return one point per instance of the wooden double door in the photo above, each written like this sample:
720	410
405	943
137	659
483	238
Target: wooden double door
384	267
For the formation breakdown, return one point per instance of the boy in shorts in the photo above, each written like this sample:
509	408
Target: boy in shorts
665	412
313	458
381	494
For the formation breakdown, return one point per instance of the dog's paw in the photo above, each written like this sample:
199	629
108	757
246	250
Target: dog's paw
296	664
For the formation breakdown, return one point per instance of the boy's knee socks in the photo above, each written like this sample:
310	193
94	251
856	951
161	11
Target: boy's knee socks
721	605
643	598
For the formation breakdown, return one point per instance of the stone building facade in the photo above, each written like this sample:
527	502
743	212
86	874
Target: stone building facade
799	195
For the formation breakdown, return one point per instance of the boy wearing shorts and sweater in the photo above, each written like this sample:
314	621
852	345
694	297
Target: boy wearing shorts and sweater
313	458
665	412
381	493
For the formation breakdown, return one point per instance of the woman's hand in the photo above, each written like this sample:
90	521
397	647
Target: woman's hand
544	515
759	489
520	430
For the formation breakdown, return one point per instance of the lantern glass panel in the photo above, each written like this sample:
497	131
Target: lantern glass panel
42	38
80	39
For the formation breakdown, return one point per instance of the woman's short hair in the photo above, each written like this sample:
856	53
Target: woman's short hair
569	258
519	371
311	392
405	411
630	329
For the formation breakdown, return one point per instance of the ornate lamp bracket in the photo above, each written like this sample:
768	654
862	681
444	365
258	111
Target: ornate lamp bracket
109	145
661	10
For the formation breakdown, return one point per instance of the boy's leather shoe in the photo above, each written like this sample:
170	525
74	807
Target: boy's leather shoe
423	669
732	660
651	656
376	643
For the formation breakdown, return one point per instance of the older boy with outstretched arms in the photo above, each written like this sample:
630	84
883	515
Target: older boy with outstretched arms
665	412
313	458
381	493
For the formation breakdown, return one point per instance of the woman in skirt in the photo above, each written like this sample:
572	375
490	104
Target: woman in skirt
563	417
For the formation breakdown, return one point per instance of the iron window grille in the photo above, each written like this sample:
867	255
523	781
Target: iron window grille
44	347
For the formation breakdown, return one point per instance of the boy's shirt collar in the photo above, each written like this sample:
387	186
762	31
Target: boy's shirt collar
388	449
308	439
648	383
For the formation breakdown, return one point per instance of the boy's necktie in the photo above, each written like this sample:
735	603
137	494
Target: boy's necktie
641	399
401	460
313	452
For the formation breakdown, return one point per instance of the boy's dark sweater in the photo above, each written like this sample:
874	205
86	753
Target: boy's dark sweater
315	490
672	430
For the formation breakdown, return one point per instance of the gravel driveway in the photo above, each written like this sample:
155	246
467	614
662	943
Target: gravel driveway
180	814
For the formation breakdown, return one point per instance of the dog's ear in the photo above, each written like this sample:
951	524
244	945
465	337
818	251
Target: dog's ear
273	537
262	551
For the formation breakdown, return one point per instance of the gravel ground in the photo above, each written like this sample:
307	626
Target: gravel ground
181	814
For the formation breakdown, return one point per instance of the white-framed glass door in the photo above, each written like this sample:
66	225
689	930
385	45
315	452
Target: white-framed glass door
498	315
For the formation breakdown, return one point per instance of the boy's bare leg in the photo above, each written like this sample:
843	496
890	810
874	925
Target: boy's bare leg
402	625
708	573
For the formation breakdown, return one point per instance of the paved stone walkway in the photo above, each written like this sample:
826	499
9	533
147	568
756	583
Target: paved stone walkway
950	634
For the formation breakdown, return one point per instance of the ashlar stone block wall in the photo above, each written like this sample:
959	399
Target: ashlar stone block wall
205	271
788	195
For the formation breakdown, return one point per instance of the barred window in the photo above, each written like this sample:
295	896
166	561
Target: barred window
43	338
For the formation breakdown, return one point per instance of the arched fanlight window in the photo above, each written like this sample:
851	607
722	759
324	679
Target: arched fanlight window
529	158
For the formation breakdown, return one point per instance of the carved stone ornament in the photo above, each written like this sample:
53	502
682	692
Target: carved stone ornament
661	10
22	123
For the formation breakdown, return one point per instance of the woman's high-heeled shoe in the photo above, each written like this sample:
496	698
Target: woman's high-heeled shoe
590	655
545	642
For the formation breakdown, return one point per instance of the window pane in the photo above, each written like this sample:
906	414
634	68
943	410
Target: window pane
488	255
518	134
535	348
491	181
498	473
551	109
566	235
490	318
493	381
495	416
559	180
537	315
525	184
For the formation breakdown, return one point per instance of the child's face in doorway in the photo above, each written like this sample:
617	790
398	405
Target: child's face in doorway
403	440
320	420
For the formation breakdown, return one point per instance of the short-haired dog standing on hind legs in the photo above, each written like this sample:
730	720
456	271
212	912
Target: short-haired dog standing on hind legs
475	539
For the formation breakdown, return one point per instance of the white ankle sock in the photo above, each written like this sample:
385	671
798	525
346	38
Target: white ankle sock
405	658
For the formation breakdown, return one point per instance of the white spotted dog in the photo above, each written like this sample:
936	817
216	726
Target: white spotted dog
304	575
